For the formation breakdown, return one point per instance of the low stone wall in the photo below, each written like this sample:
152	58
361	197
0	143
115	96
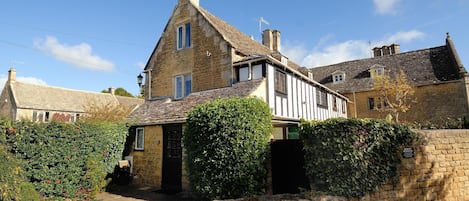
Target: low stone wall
439	170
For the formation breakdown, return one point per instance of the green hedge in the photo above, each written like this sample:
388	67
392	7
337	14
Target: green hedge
351	157
226	142
64	160
13	184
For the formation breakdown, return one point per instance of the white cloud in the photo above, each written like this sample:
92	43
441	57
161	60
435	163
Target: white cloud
141	65
31	80
326	54
80	55
385	7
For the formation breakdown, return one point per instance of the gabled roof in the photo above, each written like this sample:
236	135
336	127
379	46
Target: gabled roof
422	67
175	111
237	39
43	97
242	43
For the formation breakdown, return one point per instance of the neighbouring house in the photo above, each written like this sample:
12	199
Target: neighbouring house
42	103
439	79
199	58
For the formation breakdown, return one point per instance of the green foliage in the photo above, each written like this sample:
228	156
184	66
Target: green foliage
226	142
351	157
64	160
119	92
13	184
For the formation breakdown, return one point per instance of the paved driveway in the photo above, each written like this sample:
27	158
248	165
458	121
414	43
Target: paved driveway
131	193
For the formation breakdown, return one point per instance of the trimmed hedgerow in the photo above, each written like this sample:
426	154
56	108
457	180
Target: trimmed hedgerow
226	143
64	160
13	184
352	157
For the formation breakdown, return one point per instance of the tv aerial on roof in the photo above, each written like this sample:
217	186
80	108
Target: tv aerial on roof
262	21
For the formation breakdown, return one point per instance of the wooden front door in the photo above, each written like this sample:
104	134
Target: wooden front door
172	158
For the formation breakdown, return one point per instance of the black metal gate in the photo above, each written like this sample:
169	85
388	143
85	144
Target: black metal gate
288	173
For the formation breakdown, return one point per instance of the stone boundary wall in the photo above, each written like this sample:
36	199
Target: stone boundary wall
439	170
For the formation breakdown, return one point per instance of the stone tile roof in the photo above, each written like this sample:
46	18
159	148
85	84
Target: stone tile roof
239	40
422	67
171	111
43	97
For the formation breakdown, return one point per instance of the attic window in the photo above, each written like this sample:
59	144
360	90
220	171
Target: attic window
338	77
376	70
184	36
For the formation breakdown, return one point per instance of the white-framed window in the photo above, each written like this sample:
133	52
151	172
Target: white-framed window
139	138
184	36
338	77
244	74
182	86
251	72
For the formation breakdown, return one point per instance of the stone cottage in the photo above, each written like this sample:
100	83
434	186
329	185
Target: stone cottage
200	57
437	75
42	103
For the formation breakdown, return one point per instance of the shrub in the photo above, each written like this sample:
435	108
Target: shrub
226	143
351	157
64	160
13	184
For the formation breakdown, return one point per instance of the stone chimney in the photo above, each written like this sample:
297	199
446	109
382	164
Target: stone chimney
111	90
267	38
11	75
387	50
276	41
395	48
193	2
271	39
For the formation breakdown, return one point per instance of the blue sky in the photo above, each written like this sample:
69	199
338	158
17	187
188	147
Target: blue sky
92	45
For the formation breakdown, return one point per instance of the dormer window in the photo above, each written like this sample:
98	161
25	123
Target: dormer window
338	77
310	75
184	36
376	70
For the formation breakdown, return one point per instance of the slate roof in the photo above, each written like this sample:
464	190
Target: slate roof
43	97
422	67
174	111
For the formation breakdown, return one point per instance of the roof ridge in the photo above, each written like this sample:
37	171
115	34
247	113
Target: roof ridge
211	18
67	89
371	58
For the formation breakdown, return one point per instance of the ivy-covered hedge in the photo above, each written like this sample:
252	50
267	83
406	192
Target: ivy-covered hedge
226	142
352	157
64	160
